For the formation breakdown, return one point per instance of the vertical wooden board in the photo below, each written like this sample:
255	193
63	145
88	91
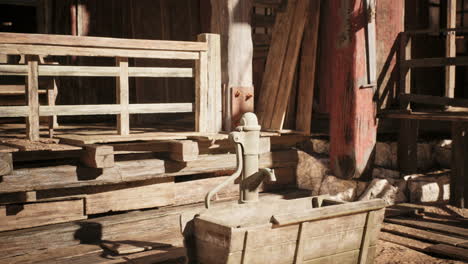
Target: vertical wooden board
201	94
125	197
214	81
18	216
122	97
274	64
407	146
6	163
289	67
388	49
32	98
308	61
459	172
450	48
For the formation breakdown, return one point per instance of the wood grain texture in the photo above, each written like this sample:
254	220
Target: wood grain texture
450	48
84	41
123	97
458	176
407	146
6	163
285	84
125	198
18	216
308	61
32	98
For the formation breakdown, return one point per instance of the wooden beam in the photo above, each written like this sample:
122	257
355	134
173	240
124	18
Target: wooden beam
422	234
459	172
405	71
97	71
81	41
32	98
449	251
98	156
49	50
213	89
123	97
450	48
201	94
6	163
305	97
232	20
17	216
433	100
435	62
407	146
183	150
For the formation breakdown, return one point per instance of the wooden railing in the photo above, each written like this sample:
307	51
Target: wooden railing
207	74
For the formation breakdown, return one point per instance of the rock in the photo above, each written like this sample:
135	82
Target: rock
344	190
429	188
310	171
386	155
382	173
320	146
383	189
425	157
443	153
361	187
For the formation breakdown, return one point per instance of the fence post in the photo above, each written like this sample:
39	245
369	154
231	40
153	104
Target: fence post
208	113
32	98
122	97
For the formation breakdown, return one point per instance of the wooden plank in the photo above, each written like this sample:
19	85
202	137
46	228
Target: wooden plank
98	71
435	62
7	149
428	115
458	175
47	50
449	251
71	176
214	95
14	111
202	121
308	61
81	41
405	72
328	212
123	97
105	109
407	146
371	46
6	163
422	234
369	229
127	197
433	100
32	98
404	241
17	216
299	254
421	224
274	65
183	150
289	67
450	48
95	156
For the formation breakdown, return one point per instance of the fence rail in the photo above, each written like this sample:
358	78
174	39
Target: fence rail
207	74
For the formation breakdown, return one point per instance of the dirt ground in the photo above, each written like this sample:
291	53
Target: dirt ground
390	253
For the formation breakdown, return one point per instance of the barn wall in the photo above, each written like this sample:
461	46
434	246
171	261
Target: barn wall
143	19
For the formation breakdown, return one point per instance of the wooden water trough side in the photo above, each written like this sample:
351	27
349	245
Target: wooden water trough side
205	53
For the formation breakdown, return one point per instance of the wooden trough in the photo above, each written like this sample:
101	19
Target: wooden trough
307	230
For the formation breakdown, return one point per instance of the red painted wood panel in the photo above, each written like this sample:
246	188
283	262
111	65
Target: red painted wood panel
352	110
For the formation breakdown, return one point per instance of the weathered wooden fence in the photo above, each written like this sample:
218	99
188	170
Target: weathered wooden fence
207	74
